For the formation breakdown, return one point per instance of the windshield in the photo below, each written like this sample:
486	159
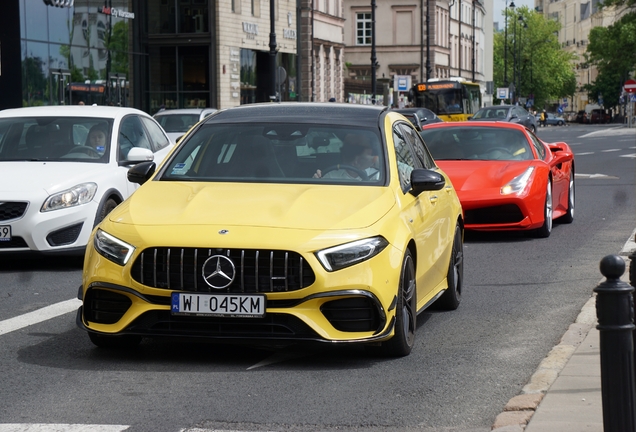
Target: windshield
442	101
478	143
491	114
177	122
62	139
280	153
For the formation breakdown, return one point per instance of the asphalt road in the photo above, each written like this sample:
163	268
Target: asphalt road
521	294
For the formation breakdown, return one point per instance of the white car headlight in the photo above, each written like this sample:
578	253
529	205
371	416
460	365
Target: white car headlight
77	195
348	254
518	184
112	248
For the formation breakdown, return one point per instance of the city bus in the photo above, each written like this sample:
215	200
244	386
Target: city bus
452	100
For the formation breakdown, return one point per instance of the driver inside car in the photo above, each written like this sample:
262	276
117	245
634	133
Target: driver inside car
358	160
97	138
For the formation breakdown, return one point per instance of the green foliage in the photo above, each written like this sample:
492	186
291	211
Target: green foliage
613	50
35	86
118	48
545	70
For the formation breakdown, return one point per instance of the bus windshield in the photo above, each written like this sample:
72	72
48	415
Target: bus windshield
451	100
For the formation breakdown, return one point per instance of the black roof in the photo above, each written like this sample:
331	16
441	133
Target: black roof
301	112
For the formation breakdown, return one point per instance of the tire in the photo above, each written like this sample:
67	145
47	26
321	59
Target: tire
114	342
568	217
453	295
560	123
108	207
546	228
403	339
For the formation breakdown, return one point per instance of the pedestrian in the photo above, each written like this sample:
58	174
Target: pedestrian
543	118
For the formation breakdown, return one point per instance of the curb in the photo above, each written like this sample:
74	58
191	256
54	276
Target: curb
519	410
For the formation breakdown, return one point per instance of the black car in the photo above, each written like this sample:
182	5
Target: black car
509	113
424	116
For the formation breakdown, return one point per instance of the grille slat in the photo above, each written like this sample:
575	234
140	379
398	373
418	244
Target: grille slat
256	271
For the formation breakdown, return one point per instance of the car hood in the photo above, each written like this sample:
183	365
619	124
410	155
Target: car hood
469	176
50	177
257	205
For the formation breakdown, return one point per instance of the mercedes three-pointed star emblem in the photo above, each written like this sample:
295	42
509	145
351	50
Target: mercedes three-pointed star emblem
218	271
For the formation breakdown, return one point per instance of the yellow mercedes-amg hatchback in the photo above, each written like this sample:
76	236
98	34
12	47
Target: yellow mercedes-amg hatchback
280	223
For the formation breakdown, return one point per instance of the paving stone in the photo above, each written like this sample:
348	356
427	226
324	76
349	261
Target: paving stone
524	402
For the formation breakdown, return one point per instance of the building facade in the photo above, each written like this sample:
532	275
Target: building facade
447	41
322	50
577	18
147	54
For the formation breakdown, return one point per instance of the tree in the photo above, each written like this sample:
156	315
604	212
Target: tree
543	69
613	50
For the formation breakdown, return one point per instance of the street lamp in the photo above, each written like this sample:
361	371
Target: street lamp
522	24
373	58
512	6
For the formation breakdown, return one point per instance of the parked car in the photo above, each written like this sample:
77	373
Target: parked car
506	177
508	113
237	236
599	116
581	117
551	119
176	122
56	183
424	115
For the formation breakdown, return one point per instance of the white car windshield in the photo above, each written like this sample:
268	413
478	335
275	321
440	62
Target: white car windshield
63	139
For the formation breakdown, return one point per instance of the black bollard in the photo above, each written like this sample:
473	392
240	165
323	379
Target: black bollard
615	313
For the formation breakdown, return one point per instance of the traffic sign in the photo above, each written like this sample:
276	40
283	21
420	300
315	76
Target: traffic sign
630	86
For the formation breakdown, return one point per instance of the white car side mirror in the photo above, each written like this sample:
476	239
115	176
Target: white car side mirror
139	154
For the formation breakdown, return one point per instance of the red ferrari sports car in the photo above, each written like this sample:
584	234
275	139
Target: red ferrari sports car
506	178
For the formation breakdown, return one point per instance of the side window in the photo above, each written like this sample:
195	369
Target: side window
157	137
406	160
422	153
131	134
537	145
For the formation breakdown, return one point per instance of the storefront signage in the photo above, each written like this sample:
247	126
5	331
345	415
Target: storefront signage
116	12
59	3
289	33
251	29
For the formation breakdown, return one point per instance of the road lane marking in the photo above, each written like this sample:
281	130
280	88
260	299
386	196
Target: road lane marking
625	140
583	154
633	155
59	427
37	316
595	176
610	150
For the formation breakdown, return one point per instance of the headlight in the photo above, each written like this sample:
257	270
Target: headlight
348	254
517	184
77	195
112	248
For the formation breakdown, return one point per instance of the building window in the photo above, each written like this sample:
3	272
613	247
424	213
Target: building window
363	28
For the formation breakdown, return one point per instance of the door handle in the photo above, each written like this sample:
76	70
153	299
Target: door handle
434	199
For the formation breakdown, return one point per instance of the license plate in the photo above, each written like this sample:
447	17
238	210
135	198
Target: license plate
5	232
219	305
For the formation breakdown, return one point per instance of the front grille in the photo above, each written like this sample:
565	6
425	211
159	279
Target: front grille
105	307
272	326
256	271
355	314
65	236
508	213
15	242
12	210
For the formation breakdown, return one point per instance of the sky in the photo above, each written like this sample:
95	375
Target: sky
500	5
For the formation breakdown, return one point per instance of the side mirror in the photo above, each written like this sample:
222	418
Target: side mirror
141	172
140	154
426	180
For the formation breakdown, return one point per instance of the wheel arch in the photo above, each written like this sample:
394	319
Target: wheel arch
109	194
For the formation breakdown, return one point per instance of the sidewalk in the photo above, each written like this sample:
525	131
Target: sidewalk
564	394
